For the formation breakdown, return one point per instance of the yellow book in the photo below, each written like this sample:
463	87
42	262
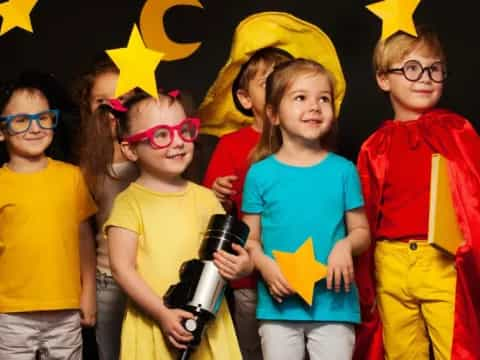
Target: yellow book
443	229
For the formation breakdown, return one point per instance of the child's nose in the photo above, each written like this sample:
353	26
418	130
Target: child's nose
425	76
315	106
177	140
34	126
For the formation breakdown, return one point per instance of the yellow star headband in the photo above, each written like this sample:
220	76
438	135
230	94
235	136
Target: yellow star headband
137	65
16	13
397	15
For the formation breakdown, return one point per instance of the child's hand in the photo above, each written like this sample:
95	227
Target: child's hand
88	308
231	266
340	265
171	324
277	285
223	187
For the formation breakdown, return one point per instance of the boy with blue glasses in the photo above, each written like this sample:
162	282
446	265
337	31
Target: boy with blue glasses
47	254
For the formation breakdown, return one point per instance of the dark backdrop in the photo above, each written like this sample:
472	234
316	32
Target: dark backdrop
67	34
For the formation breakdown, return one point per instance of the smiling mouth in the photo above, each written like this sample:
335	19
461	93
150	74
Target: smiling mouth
35	139
313	121
176	156
423	91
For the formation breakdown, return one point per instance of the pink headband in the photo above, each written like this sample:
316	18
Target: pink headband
174	93
117	105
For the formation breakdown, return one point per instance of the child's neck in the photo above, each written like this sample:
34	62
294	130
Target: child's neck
118	156
300	155
165	184
257	124
407	114
27	164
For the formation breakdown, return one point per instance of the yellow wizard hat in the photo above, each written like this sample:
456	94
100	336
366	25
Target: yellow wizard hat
267	29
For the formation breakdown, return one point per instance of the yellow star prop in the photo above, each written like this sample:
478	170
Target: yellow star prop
397	15
301	269
16	13
137	65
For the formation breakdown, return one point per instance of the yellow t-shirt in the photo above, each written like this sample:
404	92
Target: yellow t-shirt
40	214
169	228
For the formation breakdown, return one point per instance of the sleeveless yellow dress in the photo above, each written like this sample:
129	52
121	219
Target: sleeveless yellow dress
169	228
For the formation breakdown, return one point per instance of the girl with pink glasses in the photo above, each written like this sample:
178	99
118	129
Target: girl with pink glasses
156	225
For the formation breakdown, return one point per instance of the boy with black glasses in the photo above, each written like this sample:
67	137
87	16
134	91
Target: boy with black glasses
425	298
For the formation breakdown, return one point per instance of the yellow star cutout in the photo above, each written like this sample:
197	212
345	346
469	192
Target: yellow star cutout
16	13
301	269
137	65
397	15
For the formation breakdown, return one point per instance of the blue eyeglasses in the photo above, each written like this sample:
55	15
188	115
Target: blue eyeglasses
20	123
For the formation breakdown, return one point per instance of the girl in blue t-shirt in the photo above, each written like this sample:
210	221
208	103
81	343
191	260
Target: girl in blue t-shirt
296	190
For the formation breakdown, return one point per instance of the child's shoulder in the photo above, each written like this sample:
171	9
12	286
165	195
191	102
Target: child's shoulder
340	160
434	118
201	190
263	165
444	118
205	197
55	168
64	167
239	135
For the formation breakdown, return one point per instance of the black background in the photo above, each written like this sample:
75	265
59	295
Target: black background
68	34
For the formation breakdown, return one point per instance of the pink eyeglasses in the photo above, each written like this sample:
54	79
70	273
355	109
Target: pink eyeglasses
161	136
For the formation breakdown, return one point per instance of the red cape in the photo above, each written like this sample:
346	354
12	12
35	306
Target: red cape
452	136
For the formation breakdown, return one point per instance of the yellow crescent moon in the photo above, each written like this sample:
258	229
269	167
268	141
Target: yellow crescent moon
153	29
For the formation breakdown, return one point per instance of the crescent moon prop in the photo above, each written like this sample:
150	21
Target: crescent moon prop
153	29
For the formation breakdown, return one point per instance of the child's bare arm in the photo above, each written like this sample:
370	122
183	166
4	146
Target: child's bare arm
88	263
233	266
340	262
122	246
223	187
277	284
358	230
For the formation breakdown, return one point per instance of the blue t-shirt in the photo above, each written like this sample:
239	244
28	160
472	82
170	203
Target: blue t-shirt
296	203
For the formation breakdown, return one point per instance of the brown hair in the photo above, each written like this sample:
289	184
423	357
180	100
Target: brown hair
269	56
95	139
278	83
396	47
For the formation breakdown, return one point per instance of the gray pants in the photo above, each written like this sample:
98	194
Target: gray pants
246	323
44	335
110	310
288	340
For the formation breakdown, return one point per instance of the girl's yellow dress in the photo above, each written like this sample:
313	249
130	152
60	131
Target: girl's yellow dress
170	228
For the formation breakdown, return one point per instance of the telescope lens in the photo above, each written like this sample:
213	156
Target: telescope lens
222	232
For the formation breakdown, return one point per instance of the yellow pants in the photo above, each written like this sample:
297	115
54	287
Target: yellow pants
416	299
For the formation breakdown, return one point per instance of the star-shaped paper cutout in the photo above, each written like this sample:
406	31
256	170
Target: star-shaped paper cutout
301	269
137	65
397	15
16	13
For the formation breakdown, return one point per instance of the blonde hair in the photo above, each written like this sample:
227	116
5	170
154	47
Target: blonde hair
396	47
278	83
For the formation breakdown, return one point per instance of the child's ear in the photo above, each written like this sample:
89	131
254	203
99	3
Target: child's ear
271	115
128	151
382	81
244	98
2	135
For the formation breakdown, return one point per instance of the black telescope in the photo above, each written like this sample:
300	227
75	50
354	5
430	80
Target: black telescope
201	287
